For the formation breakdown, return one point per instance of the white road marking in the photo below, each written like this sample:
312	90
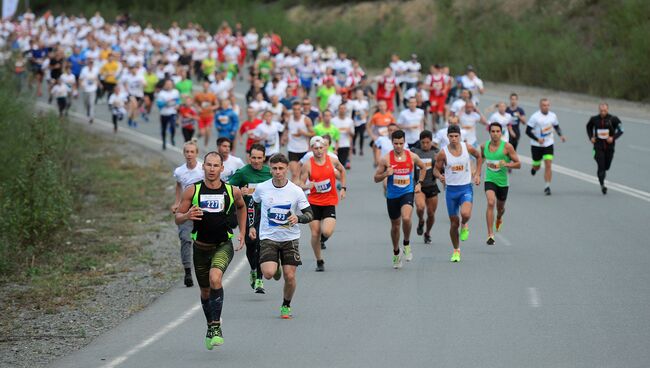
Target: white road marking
533	298
503	240
171	325
639	148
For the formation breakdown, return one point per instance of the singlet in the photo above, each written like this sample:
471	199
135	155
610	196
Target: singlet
429	159
495	173
386	88
401	182
457	169
216	205
297	144
437	85
323	193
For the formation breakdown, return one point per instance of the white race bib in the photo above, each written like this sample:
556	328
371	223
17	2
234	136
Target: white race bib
602	133
493	165
323	186
427	162
212	203
547	130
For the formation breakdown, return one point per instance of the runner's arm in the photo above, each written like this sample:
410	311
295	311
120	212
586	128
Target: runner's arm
177	202
479	159
618	127
514	157
338	166
441	158
304	175
185	210
590	129
382	170
242	214
529	132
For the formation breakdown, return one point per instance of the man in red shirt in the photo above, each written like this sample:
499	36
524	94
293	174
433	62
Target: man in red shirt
387	87
248	126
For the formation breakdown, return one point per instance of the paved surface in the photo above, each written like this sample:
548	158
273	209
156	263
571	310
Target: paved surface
567	284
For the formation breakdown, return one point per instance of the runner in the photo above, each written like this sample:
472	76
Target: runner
89	81
499	157
247	179
320	170
168	101
230	163
438	88
247	127
427	198
603	130
134	84
186	175
397	167
518	117
268	133
117	102
454	159
209	104
300	130
360	108
540	130
388	89
211	205
469	118
502	117
188	116
378	126
325	127
411	121
226	121
345	126
441	138
279	233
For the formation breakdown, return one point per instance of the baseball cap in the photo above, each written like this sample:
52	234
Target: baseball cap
453	129
316	140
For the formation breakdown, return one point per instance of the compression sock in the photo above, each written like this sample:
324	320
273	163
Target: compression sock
406	242
286	303
396	252
601	177
216	304
205	304
323	238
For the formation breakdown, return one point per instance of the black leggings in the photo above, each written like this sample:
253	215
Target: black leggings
359	132
604	160
344	153
168	122
62	102
187	134
253	255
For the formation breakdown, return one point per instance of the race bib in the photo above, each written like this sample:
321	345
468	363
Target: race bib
427	163
468	127
547	130
212	203
382	130
401	181
205	104
171	103
493	165
223	119
323	186
602	133
279	215
457	168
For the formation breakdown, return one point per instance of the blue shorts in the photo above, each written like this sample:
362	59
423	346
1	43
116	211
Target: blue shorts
456	195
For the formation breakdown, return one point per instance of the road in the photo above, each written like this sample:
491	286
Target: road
567	284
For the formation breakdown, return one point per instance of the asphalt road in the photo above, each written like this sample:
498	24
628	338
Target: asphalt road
567	284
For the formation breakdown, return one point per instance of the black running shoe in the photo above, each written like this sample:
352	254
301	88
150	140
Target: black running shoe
322	245
427	239
603	189
547	191
320	266
533	172
490	240
188	280
420	229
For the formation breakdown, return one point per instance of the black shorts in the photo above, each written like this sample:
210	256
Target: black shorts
322	212
430	192
395	205
538	153
501	192
296	156
285	252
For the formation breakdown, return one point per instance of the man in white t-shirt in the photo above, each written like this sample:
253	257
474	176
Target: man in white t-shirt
469	118
346	132
384	142
540	128
268	134
230	162
441	139
504	119
411	121
187	174
473	83
89	82
281	202
252	43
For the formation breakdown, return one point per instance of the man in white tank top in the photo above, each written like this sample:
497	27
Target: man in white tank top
457	178
300	130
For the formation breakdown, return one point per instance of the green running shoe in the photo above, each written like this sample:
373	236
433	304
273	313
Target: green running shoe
285	312
251	278
208	338
464	233
397	261
278	273
455	257
217	335
408	254
259	286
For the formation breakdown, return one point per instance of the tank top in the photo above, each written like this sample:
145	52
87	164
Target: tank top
323	193
297	144
401	182
495	173
457	169
437	84
216	205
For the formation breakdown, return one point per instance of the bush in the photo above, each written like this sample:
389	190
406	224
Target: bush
35	193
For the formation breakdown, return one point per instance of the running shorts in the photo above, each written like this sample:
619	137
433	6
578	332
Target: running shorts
205	121
206	258
430	192
456	195
285	252
541	153
501	192
323	212
395	205
438	104
296	156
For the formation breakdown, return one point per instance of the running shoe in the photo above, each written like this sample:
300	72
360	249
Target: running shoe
322	245
217	335
252	278
533	172
408	254
455	257
547	191
397	261
320	265
208	338
259	287
278	273
420	229
464	232
490	240
427	239
188	280
285	312
499	224
603	189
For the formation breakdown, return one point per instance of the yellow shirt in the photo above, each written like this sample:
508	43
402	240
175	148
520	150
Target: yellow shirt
109	71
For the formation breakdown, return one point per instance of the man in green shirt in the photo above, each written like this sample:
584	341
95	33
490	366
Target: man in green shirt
499	156
324	93
246	179
150	82
325	127
184	87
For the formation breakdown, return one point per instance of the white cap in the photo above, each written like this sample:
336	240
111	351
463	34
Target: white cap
316	140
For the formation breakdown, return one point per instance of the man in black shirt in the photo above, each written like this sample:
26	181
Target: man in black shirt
603	131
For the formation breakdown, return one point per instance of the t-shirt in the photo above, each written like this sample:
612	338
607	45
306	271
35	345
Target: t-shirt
429	159
269	135
516	117
206	101
186	176
324	94
542	126
320	129
247	176
246	127
184	87
88	79
468	123
341	125
442	140
474	85
231	165
411	123
168	102
359	108
385	145
504	120
277	205
134	84
381	121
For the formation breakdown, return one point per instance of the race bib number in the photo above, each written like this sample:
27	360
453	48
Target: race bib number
279	215
323	186
457	169
171	103
223	120
602	133
90	82
205	104
382	130
212	203
547	130
427	163
493	165
401	181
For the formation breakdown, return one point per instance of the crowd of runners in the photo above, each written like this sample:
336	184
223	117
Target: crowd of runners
308	112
